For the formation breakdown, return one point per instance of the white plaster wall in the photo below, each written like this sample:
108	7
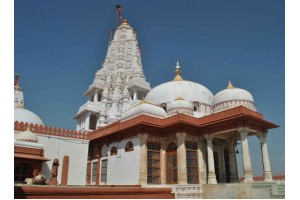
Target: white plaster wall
58	147
123	168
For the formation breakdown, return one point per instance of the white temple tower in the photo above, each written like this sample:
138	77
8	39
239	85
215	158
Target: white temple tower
119	83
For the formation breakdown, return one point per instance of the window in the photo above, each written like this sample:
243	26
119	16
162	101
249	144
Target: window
113	151
192	163
87	173
153	163
94	171
195	107
129	146
104	171
23	171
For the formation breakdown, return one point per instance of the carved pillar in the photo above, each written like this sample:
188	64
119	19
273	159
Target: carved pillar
265	157
246	154
98	170
221	163
232	161
211	163
95	96
163	163
201	163
181	158
134	94
143	158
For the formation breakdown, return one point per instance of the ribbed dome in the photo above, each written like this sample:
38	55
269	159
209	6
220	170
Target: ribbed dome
144	108
232	94
169	91
180	106
27	136
24	115
232	97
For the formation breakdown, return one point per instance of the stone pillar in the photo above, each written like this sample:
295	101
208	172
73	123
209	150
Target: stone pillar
232	161
143	158
265	157
163	163
246	154
221	163
201	164
181	158
95	96
87	122
211	163
134	94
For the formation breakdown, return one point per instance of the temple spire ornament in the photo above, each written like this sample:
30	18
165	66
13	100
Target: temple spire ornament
178	72
230	86
119	8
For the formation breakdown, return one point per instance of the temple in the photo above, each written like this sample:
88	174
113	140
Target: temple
177	134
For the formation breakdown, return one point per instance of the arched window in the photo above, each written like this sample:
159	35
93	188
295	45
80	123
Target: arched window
113	151
23	171
164	106
195	107
129	146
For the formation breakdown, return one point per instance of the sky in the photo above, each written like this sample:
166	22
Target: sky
59	46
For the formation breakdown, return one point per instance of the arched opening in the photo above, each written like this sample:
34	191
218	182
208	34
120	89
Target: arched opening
171	163
23	171
113	151
93	122
164	106
129	146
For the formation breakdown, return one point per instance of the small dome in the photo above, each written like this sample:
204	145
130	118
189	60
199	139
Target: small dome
27	136
169	91
144	108
24	115
180	106
232	97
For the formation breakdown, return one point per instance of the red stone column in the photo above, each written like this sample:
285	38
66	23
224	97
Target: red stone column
65	171
98	170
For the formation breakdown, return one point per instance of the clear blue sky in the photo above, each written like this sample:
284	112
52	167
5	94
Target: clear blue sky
59	45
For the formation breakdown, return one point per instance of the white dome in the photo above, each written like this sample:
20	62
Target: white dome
179	103
180	106
232	94
24	115
27	136
169	91
144	108
232	97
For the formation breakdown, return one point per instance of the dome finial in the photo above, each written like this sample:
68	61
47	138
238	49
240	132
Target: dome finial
178	72
230	86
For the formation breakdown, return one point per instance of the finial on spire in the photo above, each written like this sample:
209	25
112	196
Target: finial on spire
178	72
17	84
230	86
17	79
119	8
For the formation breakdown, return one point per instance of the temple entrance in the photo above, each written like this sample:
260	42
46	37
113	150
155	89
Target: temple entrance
171	159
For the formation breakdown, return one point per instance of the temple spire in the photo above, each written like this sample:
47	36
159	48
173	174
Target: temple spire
178	72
